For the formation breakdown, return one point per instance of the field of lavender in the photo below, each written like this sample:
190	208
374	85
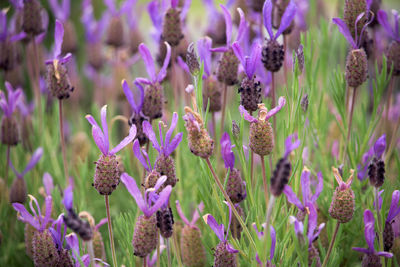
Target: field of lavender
200	133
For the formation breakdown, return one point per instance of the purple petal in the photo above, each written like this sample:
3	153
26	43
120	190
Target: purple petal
98	138
287	18
196	214
292	198
48	183
3	25
125	141
111	6
139	156
148	61
239	53
380	199
362	250
130	184
219	49
173	144
273	242
174	3
384	254
58	39
160	182
171	129
180	212
49	207
251	63
185	9
312	223
259	234
101	223
148	130
183	64
272	112
369	230
230	248
103	117
289	145
68	198
162	199
226	151
394	209
305	185
34	159
246	114
230	219
345	31
242	26
141	90
25	216
380	146
228	23
267	15
383	20
163	71
143	81
18	37
129	95
319	187
73	243
217	228
298	226
203	46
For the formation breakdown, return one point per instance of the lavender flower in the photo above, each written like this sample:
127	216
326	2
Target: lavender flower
371	255
18	187
261	134
115	31
164	163
375	151
216	24
9	104
9	131
273	243
308	198
58	231
224	252
389	231
343	204
107	175
235	186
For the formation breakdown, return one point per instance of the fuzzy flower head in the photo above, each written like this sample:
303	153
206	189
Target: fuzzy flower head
249	63
273	241
93	29
286	20
369	233
58	41
195	215
342	185
393	32
61	9
166	145
137	107
309	199
145	204
150	66
263	114
376	151
37	220
226	151
228	21
5	35
9	104
100	135
36	156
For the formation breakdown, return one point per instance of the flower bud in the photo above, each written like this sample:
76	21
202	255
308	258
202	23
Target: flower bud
250	94
32	18
376	172
261	137
224	258
166	166
235	129
165	222
212	93
94	55
235	186
145	236
135	39
8	55
356	68
115	32
98	245
228	68
280	176
192	249
58	82
79	226
272	56
172	31
18	191
44	249
393	57
107	175
153	101
9	131
342	205
304	103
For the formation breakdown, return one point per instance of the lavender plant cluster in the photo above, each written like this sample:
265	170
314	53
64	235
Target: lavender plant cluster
280	136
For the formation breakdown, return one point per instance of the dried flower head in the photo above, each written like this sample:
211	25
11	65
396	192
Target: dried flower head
343	203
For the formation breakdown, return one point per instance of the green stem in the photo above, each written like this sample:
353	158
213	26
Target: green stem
7	163
350	123
62	141
380	232
221	130
169	253
331	244
110	232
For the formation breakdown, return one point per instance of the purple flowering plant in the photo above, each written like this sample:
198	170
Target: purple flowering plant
260	236
286	20
264	113
392	31
58	41
376	151
36	156
9	104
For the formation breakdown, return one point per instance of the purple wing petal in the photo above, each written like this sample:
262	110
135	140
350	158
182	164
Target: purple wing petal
196	214
384	254
160	182
111	6
289	145
259	234
73	243
103	117
380	199
98	135
173	144
217	228
239	53
148	61
18	37
380	146
171	129
287	18
48	183
246	114
226	151
203	46
148	130
25	216
362	250
139	156
163	71
143	81
273	243
49	207
267	16
130	184
125	141
180	212
319	187
230	248
369	230
101	223
3	25
129	95
312	224
174	3
228	23
58	39
219	49
141	90
298	226
183	64
251	63
292	198
383	20
162	199
242	26
305	186
394	209
272	112
345	31
68	198
34	159
185	9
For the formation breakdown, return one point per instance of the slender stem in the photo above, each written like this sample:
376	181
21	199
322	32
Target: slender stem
158	252
36	68
264	179
380	232
145	262
252	168
110	232
271	203
223	109
285	69
331	244
91	252
169	253
214	125
273	99
62	141
350	123
7	163
238	217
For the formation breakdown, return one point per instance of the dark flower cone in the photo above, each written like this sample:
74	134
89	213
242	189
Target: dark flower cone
135	39
236	228
98	245
58	81
313	257
272	56
212	93
388	236
261	138
79	226
356	68
376	172
223	258
45	253
145	236
65	259
166	166
29	233
8	55
153	101
18	191
393	57
371	260
172	29
151	180
9	131
256	5
94	55
353	8
115	32
32	18
250	94
165	222
137	120
228	68
235	186
192	249
280	176
200	142
107	175
217	31
342	205
69	44
26	133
